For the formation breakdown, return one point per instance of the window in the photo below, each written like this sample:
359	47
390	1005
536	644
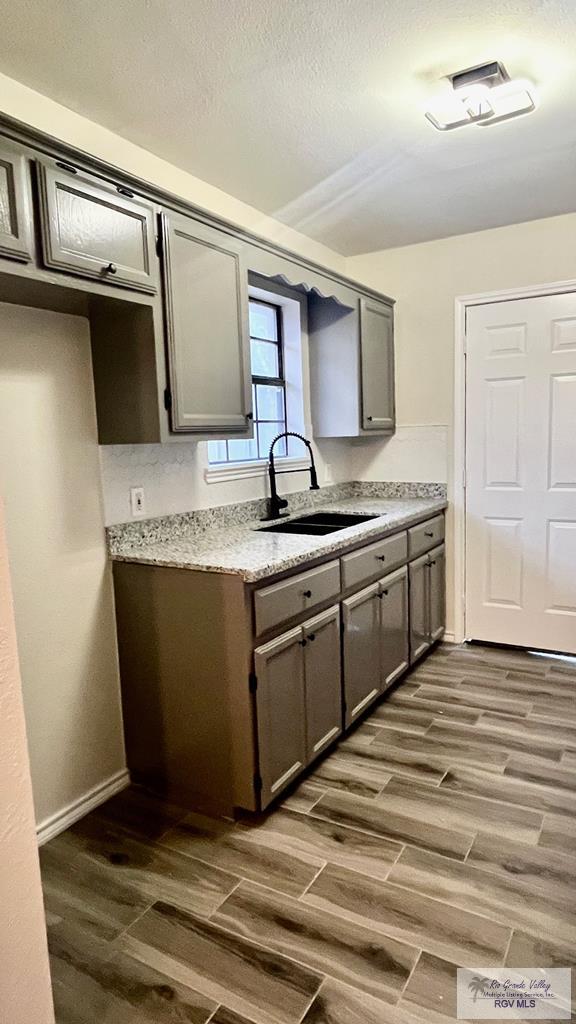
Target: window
268	389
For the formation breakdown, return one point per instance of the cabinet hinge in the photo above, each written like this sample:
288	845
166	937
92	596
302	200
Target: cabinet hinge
257	782
252	682
167	399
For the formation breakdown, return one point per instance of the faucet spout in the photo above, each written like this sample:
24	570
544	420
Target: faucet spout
275	502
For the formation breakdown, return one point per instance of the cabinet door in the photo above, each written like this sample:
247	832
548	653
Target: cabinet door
394	626
15	213
419	607
377	369
281	712
323	680
437	592
96	229
206	288
362	678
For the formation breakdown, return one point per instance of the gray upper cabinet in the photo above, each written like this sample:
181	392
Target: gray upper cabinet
351	365
15	215
377	366
323	681
96	229
206	290
361	620
394	626
280	712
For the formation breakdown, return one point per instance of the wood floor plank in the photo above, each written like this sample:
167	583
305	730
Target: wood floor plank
529	899
386	760
304	796
409	916
341	1004
519	792
559	833
351	776
453	711
255	982
120	990
556	732
399	716
82	893
431	990
377	819
541	950
154	871
494	741
348	952
471	703
141	812
535	690
443	746
318	841
225	1016
237	849
463	811
562	776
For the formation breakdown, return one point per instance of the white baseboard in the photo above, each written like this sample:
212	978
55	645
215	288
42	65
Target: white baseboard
62	820
449	638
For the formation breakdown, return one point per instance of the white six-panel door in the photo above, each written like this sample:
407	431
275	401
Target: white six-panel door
521	472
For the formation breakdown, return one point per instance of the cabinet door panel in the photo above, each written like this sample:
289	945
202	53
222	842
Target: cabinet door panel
437	586
394	626
323	680
377	359
361	616
15	213
281	712
90	228
419	607
206	286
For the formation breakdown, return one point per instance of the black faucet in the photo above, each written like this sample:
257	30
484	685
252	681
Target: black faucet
275	503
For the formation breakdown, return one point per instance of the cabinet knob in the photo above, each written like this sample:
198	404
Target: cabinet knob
249	415
311	636
110	268
306	593
433	562
303	642
385	593
369	418
428	533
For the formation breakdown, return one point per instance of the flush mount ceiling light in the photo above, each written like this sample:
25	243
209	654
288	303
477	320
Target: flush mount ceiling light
482	95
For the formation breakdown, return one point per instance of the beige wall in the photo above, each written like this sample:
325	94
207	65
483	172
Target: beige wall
25	993
50	483
425	280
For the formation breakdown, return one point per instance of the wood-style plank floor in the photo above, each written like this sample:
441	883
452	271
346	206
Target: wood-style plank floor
441	832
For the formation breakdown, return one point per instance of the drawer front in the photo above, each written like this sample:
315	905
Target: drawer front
374	560
92	228
425	536
282	601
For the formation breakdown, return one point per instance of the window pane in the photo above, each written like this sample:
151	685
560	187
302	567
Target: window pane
242	451
263	323
217	451
270	402
264	358
266	434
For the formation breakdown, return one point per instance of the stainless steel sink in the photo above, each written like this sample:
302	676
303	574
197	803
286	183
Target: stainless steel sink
318	524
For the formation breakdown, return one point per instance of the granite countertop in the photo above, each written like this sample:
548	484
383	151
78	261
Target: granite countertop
244	551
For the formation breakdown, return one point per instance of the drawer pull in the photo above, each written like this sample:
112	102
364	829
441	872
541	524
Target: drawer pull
428	533
66	167
385	593
306	593
110	268
381	558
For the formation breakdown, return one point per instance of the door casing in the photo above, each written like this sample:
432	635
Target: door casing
461	304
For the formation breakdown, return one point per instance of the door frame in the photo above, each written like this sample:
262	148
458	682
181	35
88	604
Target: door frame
458	476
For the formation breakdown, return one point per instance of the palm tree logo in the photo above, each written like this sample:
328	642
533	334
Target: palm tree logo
477	986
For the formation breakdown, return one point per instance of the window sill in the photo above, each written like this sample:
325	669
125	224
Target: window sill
242	470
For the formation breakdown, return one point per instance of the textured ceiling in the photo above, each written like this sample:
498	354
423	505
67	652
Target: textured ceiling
312	110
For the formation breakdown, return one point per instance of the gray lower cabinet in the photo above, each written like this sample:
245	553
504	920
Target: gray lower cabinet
377	365
362	650
206	294
322	672
394	647
96	229
281	712
15	213
427	601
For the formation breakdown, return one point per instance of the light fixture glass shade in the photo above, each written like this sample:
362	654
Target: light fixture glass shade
481	104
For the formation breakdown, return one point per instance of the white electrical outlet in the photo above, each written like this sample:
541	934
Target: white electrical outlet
137	502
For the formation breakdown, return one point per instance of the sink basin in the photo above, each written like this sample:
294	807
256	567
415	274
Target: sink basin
318	524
